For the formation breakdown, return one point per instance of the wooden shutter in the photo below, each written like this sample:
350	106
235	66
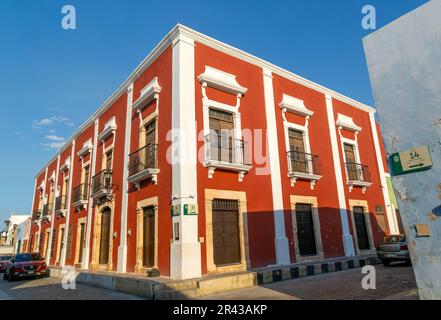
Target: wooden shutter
54	234
305	230
360	226
69	242
105	237
148	243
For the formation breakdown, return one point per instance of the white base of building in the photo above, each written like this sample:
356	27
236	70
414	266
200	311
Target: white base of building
122	258
185	260
282	251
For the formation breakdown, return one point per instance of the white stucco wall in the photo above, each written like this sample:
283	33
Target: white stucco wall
404	62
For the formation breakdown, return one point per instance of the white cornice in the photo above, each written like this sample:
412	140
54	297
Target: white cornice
347	123
109	129
294	105
221	80
66	165
87	148
181	32
148	93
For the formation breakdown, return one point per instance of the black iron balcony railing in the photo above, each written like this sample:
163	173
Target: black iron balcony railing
144	158
102	181
36	214
60	203
225	149
79	193
357	172
47	210
303	162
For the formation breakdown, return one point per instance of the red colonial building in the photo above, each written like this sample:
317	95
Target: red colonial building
207	160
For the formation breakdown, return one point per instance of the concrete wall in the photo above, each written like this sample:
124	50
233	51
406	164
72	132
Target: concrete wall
404	66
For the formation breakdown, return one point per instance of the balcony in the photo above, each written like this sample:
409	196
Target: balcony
47	212
61	206
36	214
225	153
303	166
79	196
102	185
143	164
358	175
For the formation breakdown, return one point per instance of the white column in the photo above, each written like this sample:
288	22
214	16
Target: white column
185	259
69	200
348	242
28	248
87	245
49	246
122	249
44	202
281	241
389	213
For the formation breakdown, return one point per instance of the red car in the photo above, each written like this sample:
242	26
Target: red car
4	260
25	265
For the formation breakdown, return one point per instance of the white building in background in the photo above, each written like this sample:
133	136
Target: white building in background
17	226
404	61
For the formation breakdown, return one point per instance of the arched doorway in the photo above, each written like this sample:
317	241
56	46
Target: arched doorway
105	236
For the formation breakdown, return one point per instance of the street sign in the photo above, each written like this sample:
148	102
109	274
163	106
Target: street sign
412	160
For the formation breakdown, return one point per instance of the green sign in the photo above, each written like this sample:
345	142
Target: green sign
190	209
412	160
175	210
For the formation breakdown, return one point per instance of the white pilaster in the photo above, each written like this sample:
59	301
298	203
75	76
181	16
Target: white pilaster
122	249
389	208
28	248
348	242
281	241
86	251
69	201
49	246
185	260
41	216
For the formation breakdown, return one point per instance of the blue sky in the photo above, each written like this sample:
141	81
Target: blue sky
52	80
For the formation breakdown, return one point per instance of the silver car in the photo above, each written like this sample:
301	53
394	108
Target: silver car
393	248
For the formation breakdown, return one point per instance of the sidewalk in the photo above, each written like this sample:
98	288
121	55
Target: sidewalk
164	288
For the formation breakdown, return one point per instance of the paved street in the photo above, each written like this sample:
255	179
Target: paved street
51	289
394	282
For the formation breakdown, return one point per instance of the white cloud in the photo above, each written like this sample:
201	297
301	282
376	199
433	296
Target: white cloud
43	122
55	138
53	145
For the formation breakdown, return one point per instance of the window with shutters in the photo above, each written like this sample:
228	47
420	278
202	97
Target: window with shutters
105	236
69	242
81	245
360	227
148	240
54	235
381	220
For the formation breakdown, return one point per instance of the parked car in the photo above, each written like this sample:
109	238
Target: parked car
393	248
4	260
25	265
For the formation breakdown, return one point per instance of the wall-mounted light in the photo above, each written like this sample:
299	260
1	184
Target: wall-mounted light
115	234
129	232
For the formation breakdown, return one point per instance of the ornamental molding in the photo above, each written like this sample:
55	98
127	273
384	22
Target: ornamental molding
345	122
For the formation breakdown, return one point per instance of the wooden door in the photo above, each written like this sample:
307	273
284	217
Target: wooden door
148	158
351	166
221	136
297	151
80	250
105	236
61	243
148	239
360	226
226	238
305	230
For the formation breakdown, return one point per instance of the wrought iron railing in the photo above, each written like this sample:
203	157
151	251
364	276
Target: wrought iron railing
357	172
60	203
79	193
102	181
224	148
47	210
144	158
36	214
303	162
